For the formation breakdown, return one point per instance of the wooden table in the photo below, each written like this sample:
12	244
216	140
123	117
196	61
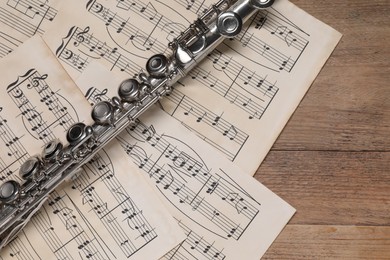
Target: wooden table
332	161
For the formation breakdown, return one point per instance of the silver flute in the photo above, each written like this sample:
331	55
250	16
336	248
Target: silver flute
43	174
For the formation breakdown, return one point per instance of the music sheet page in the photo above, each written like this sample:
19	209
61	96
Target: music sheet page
21	19
224	213
239	98
109	211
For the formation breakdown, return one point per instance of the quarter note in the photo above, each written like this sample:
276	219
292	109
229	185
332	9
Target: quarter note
265	49
177	190
188	111
246	103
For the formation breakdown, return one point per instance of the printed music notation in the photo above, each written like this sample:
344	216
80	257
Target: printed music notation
58	212
109	212
180	163
217	206
248	86
189	108
7	44
76	231
124	210
197	243
34	108
39	128
14	150
21	19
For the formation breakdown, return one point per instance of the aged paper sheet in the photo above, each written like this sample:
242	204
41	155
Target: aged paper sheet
239	98
224	213
109	211
21	19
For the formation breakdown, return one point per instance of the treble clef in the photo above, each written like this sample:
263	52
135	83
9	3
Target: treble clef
101	94
80	37
35	80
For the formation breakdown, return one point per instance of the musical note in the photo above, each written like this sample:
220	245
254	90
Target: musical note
216	120
13	254
190	4
246	103
122	26
261	21
236	200
184	200
196	242
55	200
254	115
212	187
281	30
266	48
199	119
69	224
149	133
177	190
169	181
215	214
108	16
231	132
124	68
188	112
150	10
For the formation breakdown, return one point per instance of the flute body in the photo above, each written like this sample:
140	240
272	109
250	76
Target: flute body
44	173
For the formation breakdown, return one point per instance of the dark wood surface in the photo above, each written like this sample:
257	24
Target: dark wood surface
332	161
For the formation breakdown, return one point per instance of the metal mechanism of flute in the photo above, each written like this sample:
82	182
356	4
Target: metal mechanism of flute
57	163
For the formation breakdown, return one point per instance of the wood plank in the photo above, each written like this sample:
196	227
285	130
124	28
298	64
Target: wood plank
335	188
331	242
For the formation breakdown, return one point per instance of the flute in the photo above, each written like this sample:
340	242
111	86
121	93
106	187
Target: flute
42	174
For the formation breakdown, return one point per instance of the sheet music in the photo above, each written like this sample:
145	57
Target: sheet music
21	19
239	98
109	211
224	213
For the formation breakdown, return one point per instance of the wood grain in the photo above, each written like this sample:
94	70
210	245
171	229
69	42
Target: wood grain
331	242
330	187
332	161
